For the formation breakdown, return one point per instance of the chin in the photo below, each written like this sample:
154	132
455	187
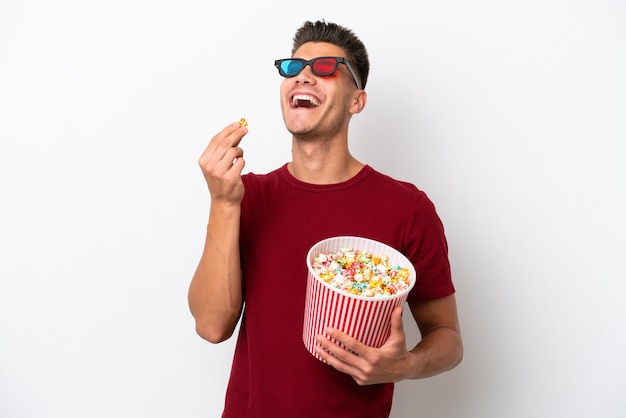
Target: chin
297	127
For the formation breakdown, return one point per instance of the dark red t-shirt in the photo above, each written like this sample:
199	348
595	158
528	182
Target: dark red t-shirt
273	375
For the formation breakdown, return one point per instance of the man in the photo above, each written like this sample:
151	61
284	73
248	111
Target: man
261	227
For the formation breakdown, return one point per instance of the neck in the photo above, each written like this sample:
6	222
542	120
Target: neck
322	162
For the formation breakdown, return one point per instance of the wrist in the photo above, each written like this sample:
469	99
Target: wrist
416	364
225	207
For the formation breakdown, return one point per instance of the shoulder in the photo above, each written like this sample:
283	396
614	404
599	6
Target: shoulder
254	180
400	189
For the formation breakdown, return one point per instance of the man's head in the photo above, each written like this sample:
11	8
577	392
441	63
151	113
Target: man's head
324	79
340	36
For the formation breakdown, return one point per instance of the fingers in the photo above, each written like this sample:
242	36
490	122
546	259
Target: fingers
340	345
234	132
355	346
366	365
229	159
222	163
343	352
228	138
342	359
351	344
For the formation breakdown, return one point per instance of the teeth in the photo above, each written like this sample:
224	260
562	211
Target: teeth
304	97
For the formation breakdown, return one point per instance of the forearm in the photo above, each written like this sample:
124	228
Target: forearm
439	350
441	347
215	293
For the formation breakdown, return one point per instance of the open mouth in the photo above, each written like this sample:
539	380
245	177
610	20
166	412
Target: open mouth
304	100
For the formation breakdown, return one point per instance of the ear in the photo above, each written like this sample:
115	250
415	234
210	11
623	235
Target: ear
358	101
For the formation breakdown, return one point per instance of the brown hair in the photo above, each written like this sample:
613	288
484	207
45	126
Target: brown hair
332	33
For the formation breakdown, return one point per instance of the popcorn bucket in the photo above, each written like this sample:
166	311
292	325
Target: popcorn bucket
365	318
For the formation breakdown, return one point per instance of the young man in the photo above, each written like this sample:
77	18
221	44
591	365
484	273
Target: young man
261	227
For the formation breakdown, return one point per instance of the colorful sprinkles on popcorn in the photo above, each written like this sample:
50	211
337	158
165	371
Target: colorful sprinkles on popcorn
361	273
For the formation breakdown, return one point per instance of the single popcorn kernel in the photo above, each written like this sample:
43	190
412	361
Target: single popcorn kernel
243	122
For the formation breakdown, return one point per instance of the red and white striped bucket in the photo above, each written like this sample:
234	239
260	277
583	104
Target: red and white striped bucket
368	319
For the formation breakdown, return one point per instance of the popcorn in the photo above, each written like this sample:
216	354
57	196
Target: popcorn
361	273
349	293
243	122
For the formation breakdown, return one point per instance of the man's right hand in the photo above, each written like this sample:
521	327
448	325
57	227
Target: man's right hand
222	163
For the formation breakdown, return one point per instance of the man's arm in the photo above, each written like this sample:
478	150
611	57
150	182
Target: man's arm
215	292
440	349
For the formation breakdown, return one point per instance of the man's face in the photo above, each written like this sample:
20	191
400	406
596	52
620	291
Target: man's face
317	107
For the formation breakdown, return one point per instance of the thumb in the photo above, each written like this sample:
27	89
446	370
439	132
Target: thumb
397	326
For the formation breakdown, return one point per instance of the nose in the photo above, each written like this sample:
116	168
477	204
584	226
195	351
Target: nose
306	76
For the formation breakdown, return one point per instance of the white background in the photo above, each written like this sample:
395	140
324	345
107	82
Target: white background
510	115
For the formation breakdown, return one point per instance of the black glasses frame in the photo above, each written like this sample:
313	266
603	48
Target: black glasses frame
338	60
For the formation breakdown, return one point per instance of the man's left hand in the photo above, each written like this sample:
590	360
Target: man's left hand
367	365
